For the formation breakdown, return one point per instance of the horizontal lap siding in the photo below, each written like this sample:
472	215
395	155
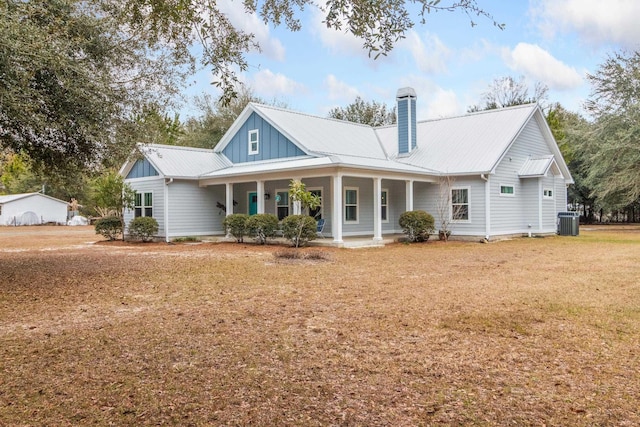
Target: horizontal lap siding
192	209
365	206
155	186
549	205
396	204
514	214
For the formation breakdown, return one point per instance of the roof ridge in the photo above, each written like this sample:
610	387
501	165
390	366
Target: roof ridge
314	116
175	147
483	112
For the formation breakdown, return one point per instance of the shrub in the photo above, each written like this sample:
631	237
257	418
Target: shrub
417	225
236	225
143	228
299	229
186	239
262	227
109	226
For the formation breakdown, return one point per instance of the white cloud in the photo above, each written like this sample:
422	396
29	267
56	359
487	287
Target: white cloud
534	62
596	21
429	54
433	101
337	41
340	91
251	23
269	84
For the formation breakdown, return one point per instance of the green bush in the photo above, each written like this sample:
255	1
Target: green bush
262	227
417	225
236	225
143	228
299	229
109	226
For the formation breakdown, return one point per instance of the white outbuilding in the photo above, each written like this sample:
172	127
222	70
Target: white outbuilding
32	209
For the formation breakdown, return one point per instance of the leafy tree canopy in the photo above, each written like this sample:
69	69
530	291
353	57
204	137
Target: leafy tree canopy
612	148
368	113
508	92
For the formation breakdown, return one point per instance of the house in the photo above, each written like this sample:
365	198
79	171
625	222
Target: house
31	209
504	171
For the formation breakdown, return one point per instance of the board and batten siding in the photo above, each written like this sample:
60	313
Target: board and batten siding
193	211
272	144
142	168
156	187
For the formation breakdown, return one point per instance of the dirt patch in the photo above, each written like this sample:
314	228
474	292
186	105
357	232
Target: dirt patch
520	332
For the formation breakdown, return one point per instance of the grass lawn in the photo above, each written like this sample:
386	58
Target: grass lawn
542	331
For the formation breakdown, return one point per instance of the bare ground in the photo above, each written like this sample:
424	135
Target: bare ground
521	332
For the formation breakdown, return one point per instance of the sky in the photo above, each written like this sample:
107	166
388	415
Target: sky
448	62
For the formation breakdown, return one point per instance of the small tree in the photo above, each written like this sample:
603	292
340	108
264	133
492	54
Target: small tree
262	227
299	229
307	200
236	225
110	227
443	203
417	225
111	196
143	228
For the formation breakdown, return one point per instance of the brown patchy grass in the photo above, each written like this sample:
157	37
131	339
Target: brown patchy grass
521	332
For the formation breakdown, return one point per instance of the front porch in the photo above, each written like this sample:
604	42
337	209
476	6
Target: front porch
351	242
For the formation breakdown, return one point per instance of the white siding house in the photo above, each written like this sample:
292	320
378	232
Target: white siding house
32	208
504	172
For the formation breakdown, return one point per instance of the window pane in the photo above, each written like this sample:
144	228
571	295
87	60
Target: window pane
138	201
459	196
506	189
283	212
351	197
383	213
137	212
351	213
282	198
148	199
384	197
461	212
148	211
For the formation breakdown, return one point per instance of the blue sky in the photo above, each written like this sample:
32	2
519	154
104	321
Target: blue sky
447	61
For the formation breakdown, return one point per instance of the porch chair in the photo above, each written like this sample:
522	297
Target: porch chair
320	227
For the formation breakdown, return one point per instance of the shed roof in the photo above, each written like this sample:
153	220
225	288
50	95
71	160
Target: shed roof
534	167
13	197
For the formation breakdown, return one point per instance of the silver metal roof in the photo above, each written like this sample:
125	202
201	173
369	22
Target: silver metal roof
534	167
11	197
473	143
183	162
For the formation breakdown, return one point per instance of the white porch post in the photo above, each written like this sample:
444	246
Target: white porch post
336	216
377	208
260	196
409	197
229	198
297	206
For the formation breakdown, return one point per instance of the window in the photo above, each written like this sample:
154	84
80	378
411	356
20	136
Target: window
282	204
506	190
254	141
317	212
460	204
384	206
547	193
350	204
145	209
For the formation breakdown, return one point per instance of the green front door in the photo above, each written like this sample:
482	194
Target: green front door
253	203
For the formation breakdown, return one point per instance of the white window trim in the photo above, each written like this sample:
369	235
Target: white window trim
385	221
142	204
544	196
321	189
461	221
357	205
249	149
507	194
275	202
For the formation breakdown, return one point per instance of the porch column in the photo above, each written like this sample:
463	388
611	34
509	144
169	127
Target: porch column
377	208
409	196
229	194
297	206
336	215
260	196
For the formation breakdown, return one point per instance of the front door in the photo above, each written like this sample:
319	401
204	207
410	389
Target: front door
253	203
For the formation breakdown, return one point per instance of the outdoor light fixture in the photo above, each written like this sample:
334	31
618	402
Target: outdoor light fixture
267	196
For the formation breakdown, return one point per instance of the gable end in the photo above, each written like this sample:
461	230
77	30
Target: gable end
142	168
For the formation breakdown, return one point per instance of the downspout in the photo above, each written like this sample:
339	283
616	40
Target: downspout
166	209
487	205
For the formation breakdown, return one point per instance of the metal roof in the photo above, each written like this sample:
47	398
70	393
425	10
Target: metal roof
534	167
183	162
473	143
12	197
322	135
